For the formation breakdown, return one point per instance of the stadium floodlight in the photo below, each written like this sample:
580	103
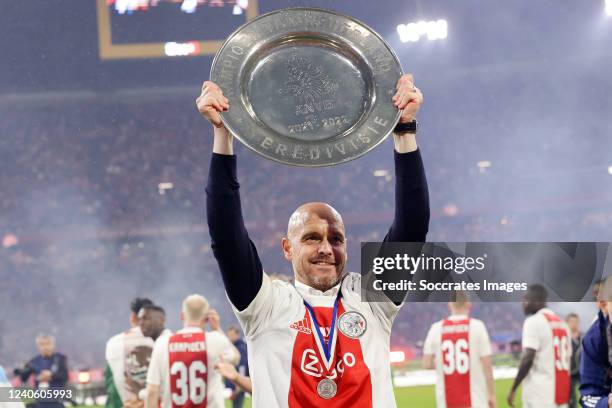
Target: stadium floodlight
608	4
162	187
483	165
189	6
432	30
381	173
610	170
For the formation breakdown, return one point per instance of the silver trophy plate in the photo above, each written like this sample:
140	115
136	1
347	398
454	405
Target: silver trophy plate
308	87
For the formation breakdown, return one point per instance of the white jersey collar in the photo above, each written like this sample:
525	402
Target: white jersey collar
190	329
458	317
304	289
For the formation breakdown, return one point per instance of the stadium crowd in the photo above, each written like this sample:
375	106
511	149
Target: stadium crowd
86	224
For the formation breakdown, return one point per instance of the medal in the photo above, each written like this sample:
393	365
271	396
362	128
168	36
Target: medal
327	388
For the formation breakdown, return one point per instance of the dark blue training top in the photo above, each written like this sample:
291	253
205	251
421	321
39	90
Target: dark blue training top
595	369
243	365
56	363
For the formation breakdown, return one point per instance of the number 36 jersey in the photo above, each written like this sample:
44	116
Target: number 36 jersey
182	364
548	383
457	344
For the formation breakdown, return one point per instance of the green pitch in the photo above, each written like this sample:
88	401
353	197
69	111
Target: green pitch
419	397
424	397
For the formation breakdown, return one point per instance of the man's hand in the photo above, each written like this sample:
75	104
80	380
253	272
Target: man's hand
212	317
45	376
151	398
227	370
510	398
408	98
133	403
211	101
492	402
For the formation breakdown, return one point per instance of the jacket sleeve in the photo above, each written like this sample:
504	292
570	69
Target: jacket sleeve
236	254
60	374
26	371
411	218
594	379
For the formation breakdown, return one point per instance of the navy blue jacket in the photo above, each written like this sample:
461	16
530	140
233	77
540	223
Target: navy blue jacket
56	363
595	369
243	365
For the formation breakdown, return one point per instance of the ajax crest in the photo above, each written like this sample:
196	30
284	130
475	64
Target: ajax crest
352	324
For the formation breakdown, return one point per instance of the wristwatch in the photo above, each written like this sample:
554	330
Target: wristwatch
409	127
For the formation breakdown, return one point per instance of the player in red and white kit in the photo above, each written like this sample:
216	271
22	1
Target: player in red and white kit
544	369
181	370
459	348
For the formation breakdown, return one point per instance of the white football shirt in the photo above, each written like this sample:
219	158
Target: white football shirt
194	378
128	355
286	361
551	362
449	356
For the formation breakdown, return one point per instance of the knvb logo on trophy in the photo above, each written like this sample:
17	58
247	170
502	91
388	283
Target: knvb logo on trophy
310	85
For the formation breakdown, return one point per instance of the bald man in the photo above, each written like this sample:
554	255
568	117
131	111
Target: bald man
314	343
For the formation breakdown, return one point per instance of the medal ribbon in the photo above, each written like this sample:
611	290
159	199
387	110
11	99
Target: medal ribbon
325	345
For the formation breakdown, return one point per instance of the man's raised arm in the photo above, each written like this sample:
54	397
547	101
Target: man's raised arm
411	219
235	253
